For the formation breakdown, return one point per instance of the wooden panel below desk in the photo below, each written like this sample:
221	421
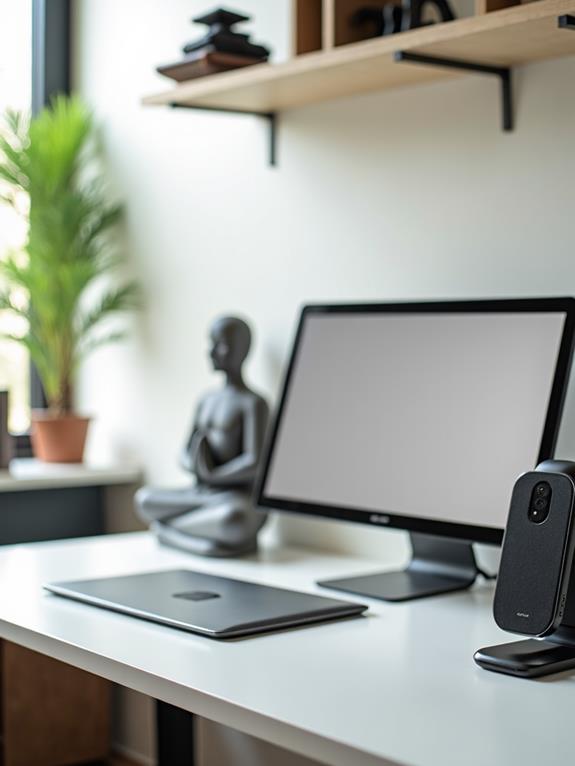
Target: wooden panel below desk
52	714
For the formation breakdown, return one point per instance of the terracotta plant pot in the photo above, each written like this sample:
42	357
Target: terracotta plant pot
59	438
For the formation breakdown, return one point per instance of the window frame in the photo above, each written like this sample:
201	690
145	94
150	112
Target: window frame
51	74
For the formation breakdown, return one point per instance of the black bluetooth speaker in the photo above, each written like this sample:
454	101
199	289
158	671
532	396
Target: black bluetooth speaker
537	551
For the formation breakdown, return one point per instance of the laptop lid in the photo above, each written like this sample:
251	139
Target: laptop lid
218	607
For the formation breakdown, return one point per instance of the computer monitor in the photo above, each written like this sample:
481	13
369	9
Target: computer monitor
418	416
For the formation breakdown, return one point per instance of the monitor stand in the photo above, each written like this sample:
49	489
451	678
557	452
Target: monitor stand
438	565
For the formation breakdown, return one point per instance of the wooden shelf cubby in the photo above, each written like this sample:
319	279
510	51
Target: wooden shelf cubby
307	26
326	24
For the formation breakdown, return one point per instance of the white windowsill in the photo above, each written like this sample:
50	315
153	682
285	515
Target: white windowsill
28	473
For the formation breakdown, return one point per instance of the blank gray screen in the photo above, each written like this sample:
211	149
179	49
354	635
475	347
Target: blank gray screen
428	415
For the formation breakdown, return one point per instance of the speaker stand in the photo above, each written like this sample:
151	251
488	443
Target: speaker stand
531	658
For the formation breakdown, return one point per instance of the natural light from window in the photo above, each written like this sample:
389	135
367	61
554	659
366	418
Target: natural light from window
15	93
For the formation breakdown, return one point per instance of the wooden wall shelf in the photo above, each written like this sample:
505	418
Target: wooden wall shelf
503	38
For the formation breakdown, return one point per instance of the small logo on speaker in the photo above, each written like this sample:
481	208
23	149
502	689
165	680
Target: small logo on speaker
525	615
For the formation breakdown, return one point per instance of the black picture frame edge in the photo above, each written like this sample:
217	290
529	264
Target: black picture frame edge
390	520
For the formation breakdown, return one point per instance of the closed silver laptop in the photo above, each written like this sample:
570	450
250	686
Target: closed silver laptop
218	607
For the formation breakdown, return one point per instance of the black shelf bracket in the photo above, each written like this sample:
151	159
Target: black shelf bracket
503	73
566	22
270	117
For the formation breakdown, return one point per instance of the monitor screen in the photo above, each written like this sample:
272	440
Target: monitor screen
418	417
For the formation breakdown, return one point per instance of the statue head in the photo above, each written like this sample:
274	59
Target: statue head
231	340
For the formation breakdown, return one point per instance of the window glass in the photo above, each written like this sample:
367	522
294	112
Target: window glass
15	92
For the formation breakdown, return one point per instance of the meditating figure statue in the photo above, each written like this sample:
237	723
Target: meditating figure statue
215	516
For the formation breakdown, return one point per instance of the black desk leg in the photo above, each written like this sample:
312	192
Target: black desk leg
175	731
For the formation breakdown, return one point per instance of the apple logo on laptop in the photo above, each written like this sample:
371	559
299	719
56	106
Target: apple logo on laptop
197	595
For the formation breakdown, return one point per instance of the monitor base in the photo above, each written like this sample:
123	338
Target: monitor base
438	565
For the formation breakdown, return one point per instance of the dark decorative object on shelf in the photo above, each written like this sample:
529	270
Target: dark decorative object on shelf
6	441
390	18
413	10
223	38
566	22
380	20
220	49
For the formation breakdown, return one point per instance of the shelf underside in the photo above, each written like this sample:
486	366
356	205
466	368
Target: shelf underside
508	37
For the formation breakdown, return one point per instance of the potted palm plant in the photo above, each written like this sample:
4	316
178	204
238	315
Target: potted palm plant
61	284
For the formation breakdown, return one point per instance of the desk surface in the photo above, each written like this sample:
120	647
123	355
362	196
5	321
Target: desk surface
398	686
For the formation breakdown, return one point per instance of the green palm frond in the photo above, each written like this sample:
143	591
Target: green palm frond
7	304
13	145
7	199
121	299
103	340
70	247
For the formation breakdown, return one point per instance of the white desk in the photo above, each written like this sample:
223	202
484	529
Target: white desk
396	687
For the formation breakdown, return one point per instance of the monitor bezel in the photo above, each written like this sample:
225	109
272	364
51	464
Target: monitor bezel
389	519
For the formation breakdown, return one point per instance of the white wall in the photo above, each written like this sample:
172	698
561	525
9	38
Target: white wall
408	194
